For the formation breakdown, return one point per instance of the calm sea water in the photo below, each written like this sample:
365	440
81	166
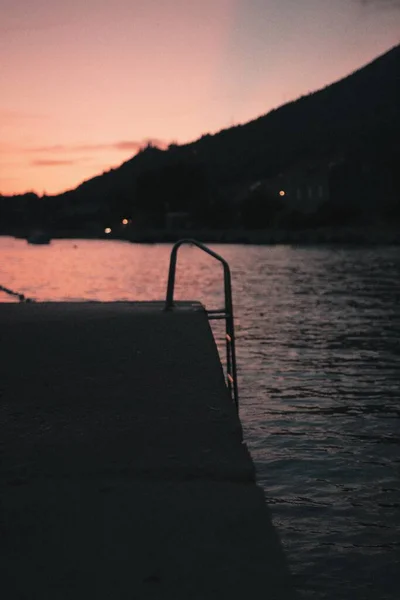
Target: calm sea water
318	336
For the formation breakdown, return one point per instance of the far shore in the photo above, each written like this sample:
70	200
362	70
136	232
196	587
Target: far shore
343	235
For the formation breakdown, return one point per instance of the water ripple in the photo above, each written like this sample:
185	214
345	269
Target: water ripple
318	342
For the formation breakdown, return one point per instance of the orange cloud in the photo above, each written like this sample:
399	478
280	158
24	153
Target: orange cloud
52	163
123	145
133	145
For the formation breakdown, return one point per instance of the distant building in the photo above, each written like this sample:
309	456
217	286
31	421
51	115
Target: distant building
303	187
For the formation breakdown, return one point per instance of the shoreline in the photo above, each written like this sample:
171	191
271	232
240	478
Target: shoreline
274	236
345	235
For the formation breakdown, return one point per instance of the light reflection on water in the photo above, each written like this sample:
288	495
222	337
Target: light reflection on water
318	333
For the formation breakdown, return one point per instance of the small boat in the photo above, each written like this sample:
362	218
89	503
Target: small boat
38	237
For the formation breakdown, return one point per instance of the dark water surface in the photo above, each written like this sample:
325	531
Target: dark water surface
318	336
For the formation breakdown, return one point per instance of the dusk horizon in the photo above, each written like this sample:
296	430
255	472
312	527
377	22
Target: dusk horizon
162	73
131	145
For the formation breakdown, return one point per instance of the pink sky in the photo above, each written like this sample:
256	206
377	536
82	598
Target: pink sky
84	84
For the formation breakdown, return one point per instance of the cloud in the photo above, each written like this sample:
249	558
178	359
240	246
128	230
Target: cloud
52	163
58	155
123	146
132	145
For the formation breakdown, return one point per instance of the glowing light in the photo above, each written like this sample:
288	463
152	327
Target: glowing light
282	193
107	230
124	221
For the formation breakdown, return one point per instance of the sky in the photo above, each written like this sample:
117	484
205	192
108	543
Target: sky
85	84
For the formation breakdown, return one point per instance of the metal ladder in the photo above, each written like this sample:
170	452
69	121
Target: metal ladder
225	313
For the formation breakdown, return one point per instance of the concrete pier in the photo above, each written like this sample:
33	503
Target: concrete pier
123	470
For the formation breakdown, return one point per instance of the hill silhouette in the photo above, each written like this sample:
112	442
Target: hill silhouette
354	122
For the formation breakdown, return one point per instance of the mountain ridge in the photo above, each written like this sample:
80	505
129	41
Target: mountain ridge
336	119
347	131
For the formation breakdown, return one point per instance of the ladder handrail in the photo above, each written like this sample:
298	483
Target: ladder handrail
226	313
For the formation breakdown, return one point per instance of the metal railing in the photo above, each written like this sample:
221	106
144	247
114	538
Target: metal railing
225	313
